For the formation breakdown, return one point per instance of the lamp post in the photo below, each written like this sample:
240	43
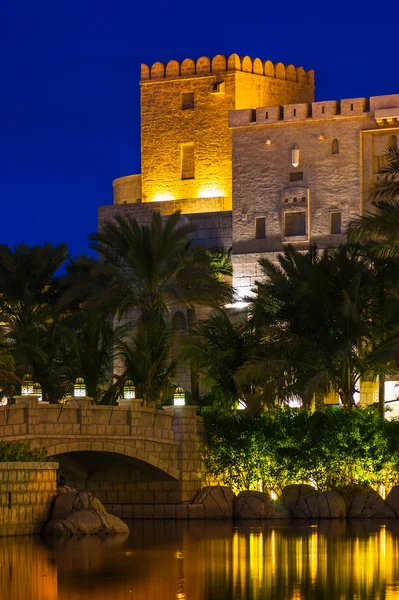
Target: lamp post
179	397
27	385
37	391
79	388
129	391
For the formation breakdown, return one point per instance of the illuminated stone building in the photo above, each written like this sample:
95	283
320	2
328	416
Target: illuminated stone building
243	150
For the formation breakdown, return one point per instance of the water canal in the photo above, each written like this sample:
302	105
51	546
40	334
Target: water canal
203	560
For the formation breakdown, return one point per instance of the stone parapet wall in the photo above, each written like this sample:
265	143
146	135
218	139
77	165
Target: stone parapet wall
27	490
213	229
157	511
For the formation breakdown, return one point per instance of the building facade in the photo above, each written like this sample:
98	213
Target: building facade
241	148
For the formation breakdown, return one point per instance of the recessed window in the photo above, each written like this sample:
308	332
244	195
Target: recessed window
335	147
252	115
296	176
187	161
294	112
267	115
295	224
218	87
335	226
187	100
260	228
322	110
351	106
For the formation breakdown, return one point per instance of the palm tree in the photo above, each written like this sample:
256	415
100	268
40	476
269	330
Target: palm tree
147	361
147	268
381	230
319	325
217	349
29	292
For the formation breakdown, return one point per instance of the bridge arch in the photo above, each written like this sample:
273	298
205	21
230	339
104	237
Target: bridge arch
114	448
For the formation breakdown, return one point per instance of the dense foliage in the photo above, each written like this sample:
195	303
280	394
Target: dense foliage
330	449
20	452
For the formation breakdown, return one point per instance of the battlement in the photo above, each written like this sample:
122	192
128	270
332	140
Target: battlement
206	66
382	107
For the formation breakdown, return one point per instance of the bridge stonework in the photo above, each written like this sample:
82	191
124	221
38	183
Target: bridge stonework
126	455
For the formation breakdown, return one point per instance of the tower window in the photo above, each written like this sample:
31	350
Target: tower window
267	115
260	228
335	225
351	106
295	224
296	176
187	161
187	100
252	115
322	110
294	112
335	147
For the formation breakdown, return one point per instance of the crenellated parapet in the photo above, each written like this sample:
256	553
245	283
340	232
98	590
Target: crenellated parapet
220	64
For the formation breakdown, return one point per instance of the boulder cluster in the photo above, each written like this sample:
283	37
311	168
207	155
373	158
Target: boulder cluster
298	502
81	513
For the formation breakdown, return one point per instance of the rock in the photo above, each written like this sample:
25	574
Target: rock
392	500
64	489
258	505
291	494
325	505
81	513
218	502
367	504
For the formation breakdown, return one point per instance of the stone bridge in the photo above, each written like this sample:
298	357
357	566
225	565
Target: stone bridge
126	455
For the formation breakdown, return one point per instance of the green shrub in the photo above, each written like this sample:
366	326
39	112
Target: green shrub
21	452
331	449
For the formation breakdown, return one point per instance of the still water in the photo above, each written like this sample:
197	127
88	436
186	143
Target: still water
165	560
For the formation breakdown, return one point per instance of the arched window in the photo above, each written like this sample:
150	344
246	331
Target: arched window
393	142
335	146
179	321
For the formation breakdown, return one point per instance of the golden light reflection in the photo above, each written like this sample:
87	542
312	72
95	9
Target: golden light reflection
200	560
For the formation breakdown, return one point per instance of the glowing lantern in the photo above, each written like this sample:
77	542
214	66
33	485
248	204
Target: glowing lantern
129	391
179	397
79	389
27	385
295	156
37	391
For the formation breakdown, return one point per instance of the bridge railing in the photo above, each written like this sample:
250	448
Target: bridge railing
30	417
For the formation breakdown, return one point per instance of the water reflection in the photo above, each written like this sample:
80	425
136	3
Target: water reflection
171	560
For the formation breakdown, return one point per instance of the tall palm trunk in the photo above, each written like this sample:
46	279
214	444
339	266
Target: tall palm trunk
191	323
381	396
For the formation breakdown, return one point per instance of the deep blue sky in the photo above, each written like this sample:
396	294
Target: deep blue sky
69	103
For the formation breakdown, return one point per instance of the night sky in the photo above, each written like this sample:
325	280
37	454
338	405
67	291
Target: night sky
69	99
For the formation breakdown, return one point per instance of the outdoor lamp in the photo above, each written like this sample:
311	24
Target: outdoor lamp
129	391
241	405
79	388
27	385
396	390
179	397
37	391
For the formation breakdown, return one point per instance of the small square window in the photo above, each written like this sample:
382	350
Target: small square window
335	226
187	100
295	224
260	228
296	176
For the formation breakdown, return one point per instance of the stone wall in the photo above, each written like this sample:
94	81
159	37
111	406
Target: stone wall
213	229
339	150
27	490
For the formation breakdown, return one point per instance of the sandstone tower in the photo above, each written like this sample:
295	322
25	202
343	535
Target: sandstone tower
186	147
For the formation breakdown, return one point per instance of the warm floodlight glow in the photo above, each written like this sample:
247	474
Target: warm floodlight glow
37	391
273	495
294	402
79	389
241	405
163	197
129	391
211	192
179	397
237	305
27	385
